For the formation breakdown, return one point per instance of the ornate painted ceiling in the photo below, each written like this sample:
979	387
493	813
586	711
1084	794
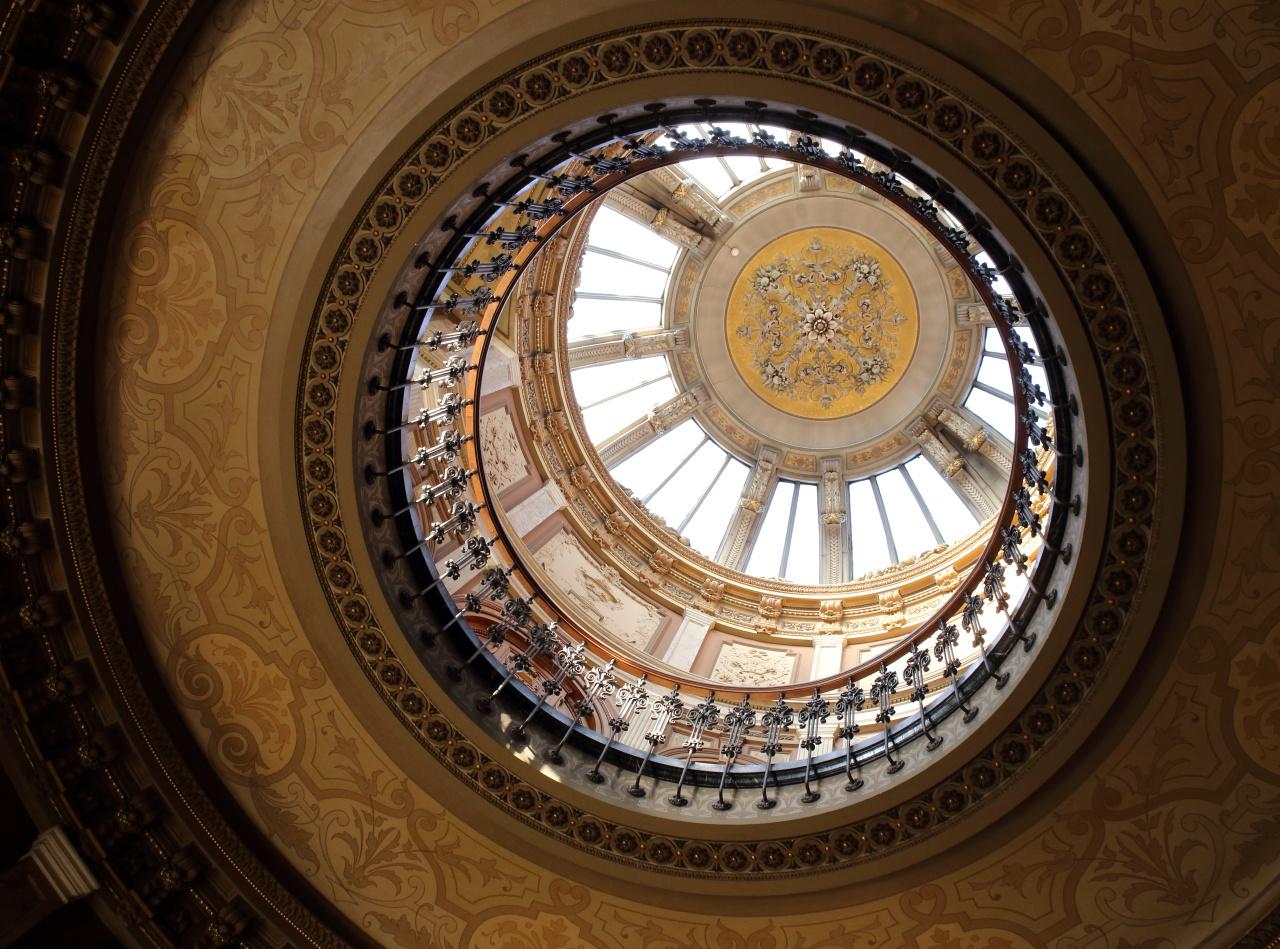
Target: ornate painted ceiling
819	280
213	210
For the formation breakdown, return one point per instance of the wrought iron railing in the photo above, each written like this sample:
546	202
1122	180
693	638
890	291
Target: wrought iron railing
571	686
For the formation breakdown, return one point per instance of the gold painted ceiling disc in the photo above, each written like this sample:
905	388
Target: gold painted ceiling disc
821	323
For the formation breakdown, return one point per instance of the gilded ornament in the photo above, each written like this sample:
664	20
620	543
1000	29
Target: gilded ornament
821	323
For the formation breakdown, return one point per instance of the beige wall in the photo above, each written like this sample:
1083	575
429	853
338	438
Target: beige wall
255	158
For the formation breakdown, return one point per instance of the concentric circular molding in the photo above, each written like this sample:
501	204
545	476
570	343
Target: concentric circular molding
503	276
427	304
859	417
967	137
649	553
549	217
64	488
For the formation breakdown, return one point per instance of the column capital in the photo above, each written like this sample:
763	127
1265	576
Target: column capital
57	859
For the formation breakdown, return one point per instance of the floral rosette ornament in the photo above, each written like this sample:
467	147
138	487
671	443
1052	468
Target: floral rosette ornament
820	325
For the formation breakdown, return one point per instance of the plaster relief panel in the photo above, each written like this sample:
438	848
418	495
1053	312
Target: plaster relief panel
750	665
504	460
597	590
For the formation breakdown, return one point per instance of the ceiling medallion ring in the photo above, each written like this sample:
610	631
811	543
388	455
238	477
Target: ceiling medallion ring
821	323
1094	282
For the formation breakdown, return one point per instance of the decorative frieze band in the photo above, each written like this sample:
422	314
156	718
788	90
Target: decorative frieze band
627	346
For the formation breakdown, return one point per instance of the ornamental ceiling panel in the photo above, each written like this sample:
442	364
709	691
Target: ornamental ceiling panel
821	323
1165	832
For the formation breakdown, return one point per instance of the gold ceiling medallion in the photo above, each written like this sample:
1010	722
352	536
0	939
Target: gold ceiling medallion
821	323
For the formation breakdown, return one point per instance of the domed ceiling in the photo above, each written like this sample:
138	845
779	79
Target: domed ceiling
821	323
494	474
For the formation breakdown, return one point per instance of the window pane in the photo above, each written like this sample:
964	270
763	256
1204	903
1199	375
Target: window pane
597	382
992	340
591	317
617	232
949	512
870	551
995	373
995	412
644	470
616	414
746	168
802	557
706	530
766	555
604	274
911	533
1039	378
1030	341
736	128
709	173
681	493
947	217
593	383
693	131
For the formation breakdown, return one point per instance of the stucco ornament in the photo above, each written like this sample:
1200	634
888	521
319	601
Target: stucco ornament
821	322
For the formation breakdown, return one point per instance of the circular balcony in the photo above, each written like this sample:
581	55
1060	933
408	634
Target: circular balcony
592	712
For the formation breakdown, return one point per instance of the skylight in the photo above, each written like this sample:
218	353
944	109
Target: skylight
721	176
689	481
686	478
991	398
903	512
624	276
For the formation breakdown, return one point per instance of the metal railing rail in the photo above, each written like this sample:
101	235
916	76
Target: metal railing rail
577	671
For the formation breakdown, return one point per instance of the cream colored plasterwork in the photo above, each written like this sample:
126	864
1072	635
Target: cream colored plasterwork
353	822
535	509
748	665
504	460
598	590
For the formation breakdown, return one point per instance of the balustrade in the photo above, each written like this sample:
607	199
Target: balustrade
554	667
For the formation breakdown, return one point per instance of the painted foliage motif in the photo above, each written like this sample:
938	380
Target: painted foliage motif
822	323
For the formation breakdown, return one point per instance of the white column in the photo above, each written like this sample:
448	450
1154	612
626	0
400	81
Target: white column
758	487
688	639
499	370
535	509
833	501
68	876
827	653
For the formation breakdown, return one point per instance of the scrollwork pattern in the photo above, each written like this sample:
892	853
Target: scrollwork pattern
386	850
